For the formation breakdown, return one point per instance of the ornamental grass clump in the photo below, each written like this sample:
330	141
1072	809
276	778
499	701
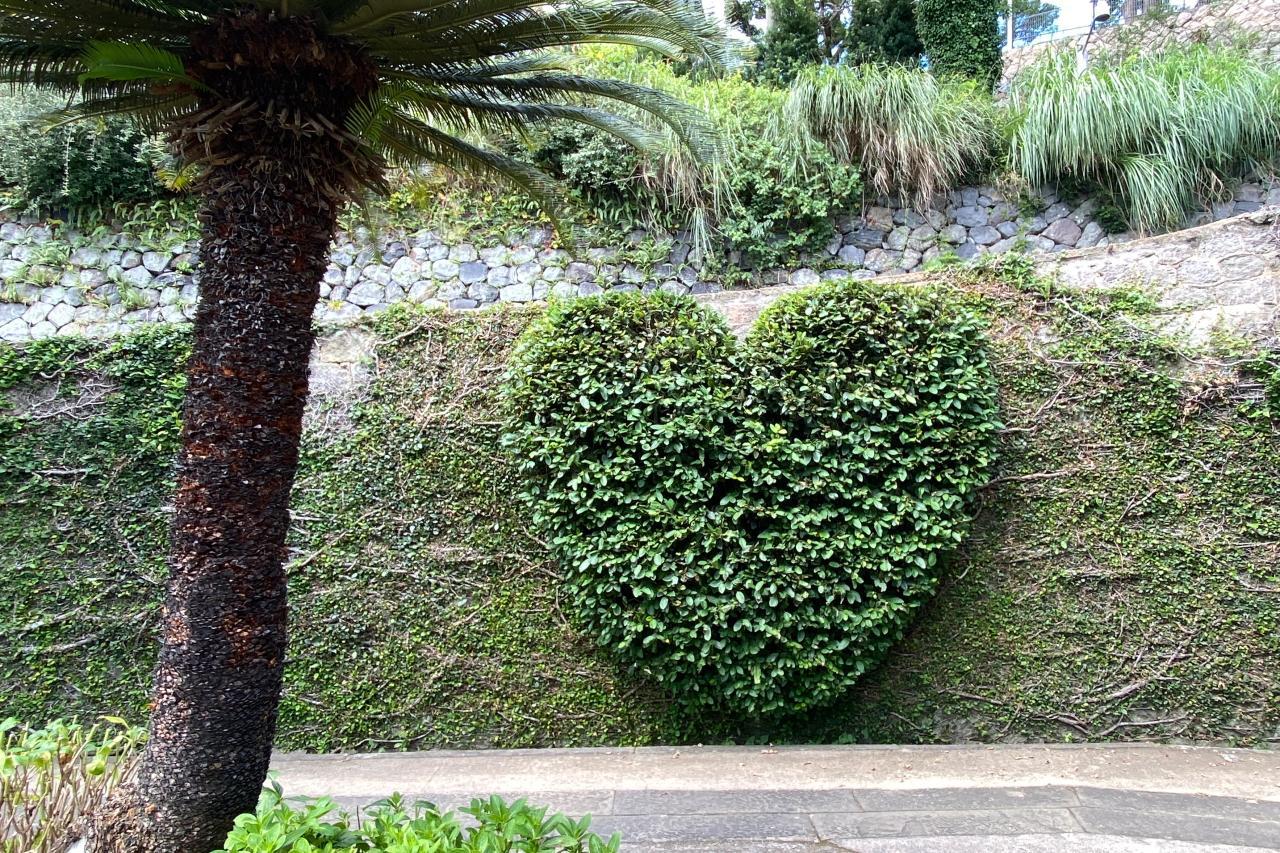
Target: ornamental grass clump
910	132
753	525
1161	132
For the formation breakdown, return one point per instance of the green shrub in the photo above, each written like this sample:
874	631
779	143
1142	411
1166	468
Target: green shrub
884	31
753	525
791	42
1161	132
50	777
76	168
392	825
909	132
756	197
960	38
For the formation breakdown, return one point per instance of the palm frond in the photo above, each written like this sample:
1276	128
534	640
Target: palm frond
669	31
152	113
406	140
686	122
121	62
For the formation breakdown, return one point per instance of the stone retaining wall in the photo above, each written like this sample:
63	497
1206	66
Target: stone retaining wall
63	283
1222	275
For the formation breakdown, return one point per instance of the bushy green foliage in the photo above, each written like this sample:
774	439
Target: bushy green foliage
960	38
909	132
77	168
52	776
884	31
756	198
755	525
791	42
1160	131
395	826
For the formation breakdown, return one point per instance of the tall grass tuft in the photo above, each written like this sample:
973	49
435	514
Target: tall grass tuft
51	777
1162	132
910	133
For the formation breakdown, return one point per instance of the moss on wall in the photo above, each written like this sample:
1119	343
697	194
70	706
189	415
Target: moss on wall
1123	580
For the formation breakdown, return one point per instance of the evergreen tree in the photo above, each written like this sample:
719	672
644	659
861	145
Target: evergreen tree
792	41
884	31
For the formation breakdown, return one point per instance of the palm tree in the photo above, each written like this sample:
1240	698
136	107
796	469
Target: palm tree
292	108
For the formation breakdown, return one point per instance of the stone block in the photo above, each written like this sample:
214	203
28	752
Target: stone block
969	216
521	292
421	291
451	290
443	269
851	255
866	238
921	238
896	240
156	261
499	276
472	272
1064	230
86	256
804	276
879	218
406	270
463	304
1056	211
522	255
984	235
879	260
14	330
527	272
380	273
1090	235
367	293
482	292
953	234
463	253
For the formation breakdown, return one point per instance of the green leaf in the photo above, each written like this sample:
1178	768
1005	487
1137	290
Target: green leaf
131	61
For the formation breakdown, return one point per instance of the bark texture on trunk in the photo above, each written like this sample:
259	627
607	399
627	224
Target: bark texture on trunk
279	166
218	677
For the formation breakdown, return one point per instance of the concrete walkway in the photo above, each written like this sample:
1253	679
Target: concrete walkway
963	799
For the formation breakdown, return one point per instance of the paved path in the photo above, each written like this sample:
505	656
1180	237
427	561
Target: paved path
1008	799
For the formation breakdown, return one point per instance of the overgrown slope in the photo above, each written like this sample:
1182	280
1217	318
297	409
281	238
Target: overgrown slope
1123	580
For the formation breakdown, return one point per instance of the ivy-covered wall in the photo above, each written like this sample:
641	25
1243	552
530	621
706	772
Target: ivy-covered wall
1122	580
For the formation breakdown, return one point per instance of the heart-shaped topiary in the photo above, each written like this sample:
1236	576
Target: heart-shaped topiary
753	524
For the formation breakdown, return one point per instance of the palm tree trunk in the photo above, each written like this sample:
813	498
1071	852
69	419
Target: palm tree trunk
217	682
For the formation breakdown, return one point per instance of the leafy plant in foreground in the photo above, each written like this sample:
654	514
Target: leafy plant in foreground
753	525
395	826
52	776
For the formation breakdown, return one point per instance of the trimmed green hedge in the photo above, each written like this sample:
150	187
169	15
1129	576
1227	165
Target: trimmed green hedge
753	526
